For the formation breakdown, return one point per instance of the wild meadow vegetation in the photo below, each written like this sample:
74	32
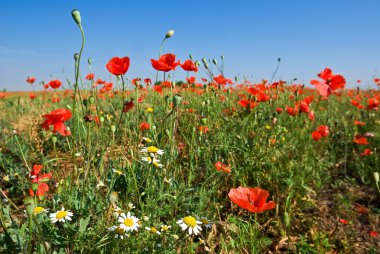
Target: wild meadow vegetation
204	165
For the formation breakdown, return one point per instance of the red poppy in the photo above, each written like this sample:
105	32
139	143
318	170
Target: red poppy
32	96
343	221
360	140
292	111
311	115
316	135
55	84
356	122
366	152
251	199
90	76
147	81
30	80
55	99
330	82
304	107
279	110
373	233
221	80
203	129
118	66
2	95
99	81
377	81
158	89
373	104
128	105
40	180
165	63
144	126
57	119
323	130
191	80
222	167
189	65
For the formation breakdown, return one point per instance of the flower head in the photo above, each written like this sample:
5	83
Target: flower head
330	82
128	222
190	224
61	216
118	66
118	231
153	230
152	150
251	199
56	118
165	63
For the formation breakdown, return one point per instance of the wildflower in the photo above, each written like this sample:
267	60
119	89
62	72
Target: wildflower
190	224
147	140
39	185
144	126
356	122
118	66
61	216
251	199
165	63
38	210
118	172
165	228
366	152
222	167
118	231
30	80
168	181
117	211
55	84
90	76
149	110
130	206
128	222
100	184
189	65
6	178
153	161
330	82
343	221
153	230
152	150
206	222
360	140
57	119
373	233
128	105
221	80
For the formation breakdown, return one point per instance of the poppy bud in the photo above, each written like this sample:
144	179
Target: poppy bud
54	139
85	102
88	118
76	56
76	16
214	61
222	56
205	63
113	128
167	99
169	34
376	177
91	99
113	197
101	119
177	100
197	63
204	120
89	60
191	57
29	205
34	187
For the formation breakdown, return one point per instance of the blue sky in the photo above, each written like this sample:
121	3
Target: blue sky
38	38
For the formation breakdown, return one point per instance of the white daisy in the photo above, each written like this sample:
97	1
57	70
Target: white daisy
206	223
191	224
128	222
119	232
61	216
117	211
152	150
130	206
153	161
153	230
165	228
118	172
147	140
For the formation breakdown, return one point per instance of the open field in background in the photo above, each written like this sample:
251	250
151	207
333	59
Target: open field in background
204	165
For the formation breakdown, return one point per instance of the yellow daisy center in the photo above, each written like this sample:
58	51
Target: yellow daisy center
118	172
153	230
38	210
152	149
190	221
204	221
61	215
156	164
165	228
128	222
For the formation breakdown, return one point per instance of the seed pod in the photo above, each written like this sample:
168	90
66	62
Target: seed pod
76	16
169	34
376	177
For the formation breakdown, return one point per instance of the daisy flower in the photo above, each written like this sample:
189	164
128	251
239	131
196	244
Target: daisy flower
152	150
147	140
117	211
191	224
61	216
37	210
153	230
118	172
153	161
206	223
118	231
128	222
165	228
131	206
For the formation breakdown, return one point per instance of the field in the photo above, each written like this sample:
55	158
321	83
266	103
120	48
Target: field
204	165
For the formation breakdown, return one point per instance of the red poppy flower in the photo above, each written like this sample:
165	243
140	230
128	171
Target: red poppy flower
30	80
158	89
279	110
330	82
147	81
323	130
57	119
292	111
90	76
366	152
128	105
251	199
373	233
311	115
118	66
356	122
222	167
40	180
189	65
304	107
55	84
222	80
373	104
32	96
360	140
343	221
144	126
377	81
191	80
99	81
316	135
165	63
